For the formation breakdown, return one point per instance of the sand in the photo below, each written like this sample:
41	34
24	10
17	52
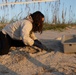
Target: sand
22	61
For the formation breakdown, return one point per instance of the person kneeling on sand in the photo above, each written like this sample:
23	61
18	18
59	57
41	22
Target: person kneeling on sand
21	33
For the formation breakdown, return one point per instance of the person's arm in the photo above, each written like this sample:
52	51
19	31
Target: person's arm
37	43
26	27
32	35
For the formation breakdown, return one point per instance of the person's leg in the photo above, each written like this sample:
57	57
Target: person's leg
4	44
17	43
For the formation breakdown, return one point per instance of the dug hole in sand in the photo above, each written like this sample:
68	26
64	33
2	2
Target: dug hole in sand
52	62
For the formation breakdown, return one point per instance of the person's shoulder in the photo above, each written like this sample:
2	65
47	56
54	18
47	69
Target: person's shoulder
27	22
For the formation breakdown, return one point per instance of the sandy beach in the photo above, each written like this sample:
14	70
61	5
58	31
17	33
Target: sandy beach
20	61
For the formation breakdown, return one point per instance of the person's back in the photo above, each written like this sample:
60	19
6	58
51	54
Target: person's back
14	29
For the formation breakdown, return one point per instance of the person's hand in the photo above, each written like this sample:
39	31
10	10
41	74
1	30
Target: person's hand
37	43
45	48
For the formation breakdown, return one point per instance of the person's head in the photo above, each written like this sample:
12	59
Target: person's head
38	19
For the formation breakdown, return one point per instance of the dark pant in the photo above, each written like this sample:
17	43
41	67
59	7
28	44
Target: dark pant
6	42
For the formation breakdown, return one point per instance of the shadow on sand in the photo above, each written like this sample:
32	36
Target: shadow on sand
5	71
53	45
46	68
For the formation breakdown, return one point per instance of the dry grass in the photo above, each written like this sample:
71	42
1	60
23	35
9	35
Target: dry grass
59	27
